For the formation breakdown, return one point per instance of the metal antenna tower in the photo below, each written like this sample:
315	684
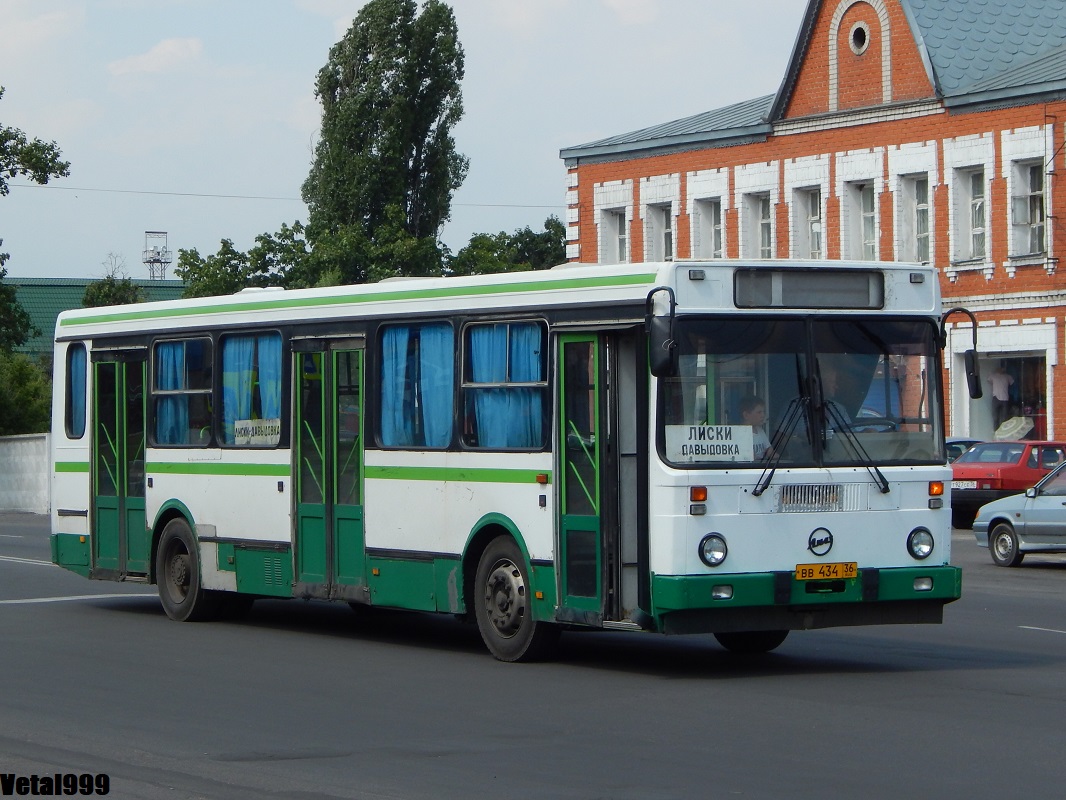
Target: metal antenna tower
157	256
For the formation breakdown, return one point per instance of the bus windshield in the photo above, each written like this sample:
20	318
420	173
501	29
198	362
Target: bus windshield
803	392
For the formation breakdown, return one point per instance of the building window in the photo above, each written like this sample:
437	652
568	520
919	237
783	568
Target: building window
970	215
181	392
417	385
807	209
1027	210
660	233
709	225
505	370
914	219
760	226
613	234
862	221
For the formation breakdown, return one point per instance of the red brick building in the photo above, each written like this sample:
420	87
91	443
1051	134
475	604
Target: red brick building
912	130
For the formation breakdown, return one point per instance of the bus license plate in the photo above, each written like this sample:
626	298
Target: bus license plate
821	572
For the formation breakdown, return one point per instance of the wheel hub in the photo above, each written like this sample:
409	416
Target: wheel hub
505	598
179	570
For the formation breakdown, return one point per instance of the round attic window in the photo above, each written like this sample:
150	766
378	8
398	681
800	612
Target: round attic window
859	38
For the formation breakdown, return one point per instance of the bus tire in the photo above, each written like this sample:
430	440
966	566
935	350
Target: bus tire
177	569
748	642
503	609
1003	545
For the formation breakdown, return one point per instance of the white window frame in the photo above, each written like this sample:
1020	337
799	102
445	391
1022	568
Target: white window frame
863	229
808	223
970	239
659	228
707	223
1029	210
915	219
758	209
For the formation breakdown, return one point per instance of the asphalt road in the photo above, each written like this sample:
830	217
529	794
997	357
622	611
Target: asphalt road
309	700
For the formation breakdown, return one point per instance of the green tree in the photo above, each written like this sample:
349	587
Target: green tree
115	288
25	396
525	249
225	272
39	161
390	95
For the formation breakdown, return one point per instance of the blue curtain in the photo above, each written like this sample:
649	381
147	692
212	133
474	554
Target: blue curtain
270	375
436	382
526	412
172	411
488	364
238	369
508	416
76	381
396	427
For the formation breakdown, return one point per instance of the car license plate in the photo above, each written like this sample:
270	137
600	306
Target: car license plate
964	484
821	572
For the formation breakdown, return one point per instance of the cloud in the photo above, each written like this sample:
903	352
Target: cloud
166	56
27	31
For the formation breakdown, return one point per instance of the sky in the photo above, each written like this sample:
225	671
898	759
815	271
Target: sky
198	118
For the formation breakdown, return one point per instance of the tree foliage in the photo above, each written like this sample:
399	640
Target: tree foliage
525	249
115	288
39	161
25	396
390	94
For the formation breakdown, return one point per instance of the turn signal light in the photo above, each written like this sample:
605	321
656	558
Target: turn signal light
936	488
697	494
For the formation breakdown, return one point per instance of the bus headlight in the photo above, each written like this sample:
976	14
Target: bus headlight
920	543
712	549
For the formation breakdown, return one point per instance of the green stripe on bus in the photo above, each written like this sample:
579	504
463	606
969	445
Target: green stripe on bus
411	294
455	474
215	468
72	466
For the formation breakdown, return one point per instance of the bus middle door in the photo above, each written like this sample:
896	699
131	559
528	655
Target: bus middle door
328	541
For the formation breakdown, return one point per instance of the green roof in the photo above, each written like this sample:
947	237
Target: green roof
45	298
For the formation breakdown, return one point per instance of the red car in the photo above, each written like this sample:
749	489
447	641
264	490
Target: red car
991	470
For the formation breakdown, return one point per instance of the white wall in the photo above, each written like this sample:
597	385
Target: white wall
24	473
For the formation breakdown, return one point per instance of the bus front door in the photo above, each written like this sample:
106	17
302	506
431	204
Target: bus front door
328	544
581	447
120	535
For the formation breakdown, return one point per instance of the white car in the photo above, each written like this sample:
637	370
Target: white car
1033	522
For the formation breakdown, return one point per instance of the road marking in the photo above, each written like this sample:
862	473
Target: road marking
1045	630
9	536
72	598
15	560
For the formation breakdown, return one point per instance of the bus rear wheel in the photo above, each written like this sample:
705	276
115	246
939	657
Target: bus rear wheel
503	609
751	641
177	571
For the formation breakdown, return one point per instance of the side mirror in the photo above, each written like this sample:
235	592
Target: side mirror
1030	492
662	349
973	374
659	325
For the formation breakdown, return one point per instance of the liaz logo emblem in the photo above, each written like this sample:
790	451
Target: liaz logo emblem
820	542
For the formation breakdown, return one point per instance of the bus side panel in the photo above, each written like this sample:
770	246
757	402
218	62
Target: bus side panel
420	511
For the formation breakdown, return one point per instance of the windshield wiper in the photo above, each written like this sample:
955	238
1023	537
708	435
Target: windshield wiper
797	407
842	425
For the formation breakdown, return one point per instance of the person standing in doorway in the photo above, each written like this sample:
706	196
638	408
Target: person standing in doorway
1001	382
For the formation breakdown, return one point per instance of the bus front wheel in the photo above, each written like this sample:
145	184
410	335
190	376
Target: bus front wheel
177	572
503	608
751	641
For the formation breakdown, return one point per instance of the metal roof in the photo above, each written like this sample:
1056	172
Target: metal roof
975	51
44	298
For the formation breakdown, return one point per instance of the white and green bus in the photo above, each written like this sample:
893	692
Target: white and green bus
736	448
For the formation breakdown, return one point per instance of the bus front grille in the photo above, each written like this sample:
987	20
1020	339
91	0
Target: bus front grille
819	497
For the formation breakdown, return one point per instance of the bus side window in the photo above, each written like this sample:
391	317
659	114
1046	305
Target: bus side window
181	390
417	385
75	391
